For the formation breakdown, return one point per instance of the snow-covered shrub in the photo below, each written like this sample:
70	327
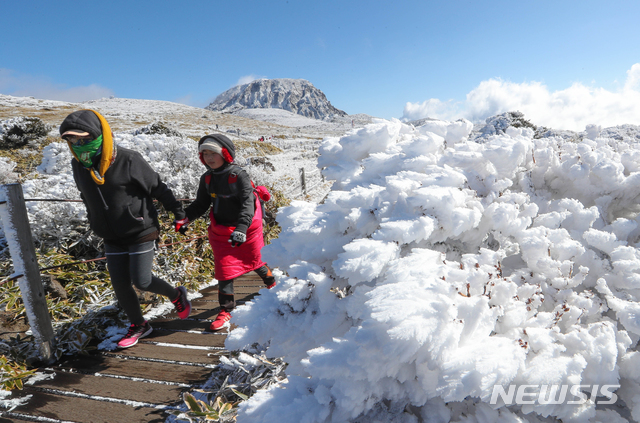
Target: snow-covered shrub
7	176
157	128
498	124
439	268
18	132
173	158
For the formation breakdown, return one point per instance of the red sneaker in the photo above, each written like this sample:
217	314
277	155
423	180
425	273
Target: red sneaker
135	332
182	304
221	320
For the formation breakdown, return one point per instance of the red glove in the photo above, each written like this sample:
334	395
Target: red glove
182	225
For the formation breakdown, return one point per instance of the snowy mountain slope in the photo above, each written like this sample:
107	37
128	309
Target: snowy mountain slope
295	95
127	114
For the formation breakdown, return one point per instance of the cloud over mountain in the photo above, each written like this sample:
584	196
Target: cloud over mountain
572	108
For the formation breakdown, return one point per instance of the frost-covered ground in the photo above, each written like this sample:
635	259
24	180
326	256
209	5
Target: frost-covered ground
439	267
445	261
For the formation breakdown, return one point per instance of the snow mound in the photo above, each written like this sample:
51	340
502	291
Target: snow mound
438	268
278	116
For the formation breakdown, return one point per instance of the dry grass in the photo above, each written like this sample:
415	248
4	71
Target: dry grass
192	122
27	159
264	148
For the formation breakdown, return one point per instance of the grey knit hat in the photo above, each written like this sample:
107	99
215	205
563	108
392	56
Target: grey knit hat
227	149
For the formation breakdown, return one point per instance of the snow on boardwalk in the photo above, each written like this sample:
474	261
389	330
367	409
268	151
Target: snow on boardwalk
139	384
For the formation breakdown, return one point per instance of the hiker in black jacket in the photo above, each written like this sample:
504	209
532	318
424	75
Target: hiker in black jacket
117	187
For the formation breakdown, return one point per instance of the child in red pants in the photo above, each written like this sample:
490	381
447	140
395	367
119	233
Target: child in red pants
235	230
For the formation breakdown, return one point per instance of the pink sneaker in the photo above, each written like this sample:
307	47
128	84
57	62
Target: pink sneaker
182	304
135	332
221	320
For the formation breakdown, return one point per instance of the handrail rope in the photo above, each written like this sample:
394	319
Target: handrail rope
98	259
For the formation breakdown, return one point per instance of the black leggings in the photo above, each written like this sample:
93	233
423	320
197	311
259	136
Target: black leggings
225	289
131	265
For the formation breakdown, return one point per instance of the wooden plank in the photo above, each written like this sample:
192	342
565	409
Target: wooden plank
244	290
187	324
207	314
205	339
154	393
203	314
248	282
83	410
172	354
238	288
204	303
192	375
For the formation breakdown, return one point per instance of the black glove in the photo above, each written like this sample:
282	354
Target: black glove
181	225
237	238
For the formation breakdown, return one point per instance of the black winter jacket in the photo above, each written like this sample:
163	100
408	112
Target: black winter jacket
121	211
231	207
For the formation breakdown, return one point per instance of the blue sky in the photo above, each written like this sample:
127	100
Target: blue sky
445	59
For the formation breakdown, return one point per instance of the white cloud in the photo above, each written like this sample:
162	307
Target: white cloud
248	78
633	78
572	108
186	99
21	85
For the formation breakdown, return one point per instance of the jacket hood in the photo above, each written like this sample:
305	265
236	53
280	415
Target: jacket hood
95	124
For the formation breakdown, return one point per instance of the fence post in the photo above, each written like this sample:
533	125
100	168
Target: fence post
15	223
303	181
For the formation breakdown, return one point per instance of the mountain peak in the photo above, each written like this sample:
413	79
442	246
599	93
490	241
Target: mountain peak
295	95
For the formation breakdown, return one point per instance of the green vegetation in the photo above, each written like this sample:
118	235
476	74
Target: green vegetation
12	374
215	410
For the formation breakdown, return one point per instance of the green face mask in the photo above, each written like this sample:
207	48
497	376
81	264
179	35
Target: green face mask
87	152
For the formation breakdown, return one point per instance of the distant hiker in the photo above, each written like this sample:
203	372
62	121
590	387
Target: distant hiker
216	126
118	192
235	229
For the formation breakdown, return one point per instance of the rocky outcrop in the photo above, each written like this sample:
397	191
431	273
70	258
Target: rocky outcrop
295	95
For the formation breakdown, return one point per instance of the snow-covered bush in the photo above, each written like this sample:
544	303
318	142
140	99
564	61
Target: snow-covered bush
174	158
498	124
440	268
157	128
7	175
18	132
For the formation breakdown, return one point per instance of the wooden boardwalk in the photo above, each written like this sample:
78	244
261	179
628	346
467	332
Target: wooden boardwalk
140	383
